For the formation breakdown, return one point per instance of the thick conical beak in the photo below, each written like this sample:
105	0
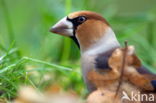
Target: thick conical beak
63	27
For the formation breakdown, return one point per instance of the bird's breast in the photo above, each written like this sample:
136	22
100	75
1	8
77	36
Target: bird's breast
87	63
97	62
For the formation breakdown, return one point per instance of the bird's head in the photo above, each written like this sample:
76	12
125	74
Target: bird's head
84	27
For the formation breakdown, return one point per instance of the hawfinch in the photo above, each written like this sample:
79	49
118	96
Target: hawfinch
96	40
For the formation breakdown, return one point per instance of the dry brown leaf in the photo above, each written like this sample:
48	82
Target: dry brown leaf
132	62
30	95
103	96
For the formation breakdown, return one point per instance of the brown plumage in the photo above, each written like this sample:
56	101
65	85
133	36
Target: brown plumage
86	34
97	42
95	24
90	15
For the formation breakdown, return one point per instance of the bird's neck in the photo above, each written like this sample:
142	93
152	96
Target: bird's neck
104	44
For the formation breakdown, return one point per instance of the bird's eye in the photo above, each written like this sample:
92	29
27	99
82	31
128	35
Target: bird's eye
81	19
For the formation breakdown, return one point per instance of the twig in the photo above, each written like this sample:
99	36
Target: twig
122	67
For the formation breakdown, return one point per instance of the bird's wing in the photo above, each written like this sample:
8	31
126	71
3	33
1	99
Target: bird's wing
148	74
144	70
101	61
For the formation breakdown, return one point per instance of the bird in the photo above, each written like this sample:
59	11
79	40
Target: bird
96	40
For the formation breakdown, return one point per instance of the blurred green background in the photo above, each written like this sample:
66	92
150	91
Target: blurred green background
31	55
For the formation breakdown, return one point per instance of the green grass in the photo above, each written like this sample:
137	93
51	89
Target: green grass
30	71
30	55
